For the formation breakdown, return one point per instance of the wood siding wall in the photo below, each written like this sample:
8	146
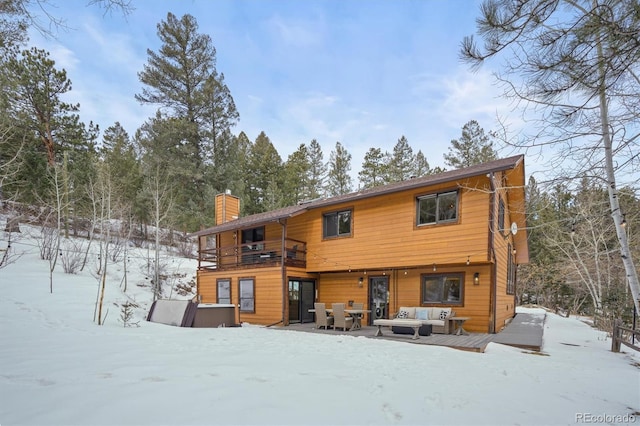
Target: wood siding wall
268	292
384	233
406	290
386	240
504	303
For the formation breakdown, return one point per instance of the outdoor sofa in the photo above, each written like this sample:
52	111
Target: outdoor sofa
436	317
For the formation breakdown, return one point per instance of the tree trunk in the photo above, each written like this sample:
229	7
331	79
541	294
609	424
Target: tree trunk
616	213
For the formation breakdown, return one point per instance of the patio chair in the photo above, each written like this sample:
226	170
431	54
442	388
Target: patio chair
322	319
357	306
340	320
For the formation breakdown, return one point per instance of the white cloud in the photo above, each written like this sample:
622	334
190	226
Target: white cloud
296	32
115	48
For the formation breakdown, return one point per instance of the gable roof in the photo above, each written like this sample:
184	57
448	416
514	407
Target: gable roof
286	212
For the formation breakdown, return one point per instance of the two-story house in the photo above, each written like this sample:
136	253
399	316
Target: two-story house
452	239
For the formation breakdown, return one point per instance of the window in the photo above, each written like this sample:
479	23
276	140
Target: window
224	290
446	289
252	235
336	224
247	295
438	208
501	215
511	272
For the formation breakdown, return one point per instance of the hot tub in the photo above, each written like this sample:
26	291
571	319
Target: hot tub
215	315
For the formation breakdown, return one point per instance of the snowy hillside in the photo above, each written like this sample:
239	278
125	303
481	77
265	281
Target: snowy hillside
57	367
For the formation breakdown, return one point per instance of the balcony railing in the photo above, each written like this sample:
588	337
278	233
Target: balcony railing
266	253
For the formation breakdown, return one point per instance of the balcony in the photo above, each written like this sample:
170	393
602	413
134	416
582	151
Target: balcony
260	254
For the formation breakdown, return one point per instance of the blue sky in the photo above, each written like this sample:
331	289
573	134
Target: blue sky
362	72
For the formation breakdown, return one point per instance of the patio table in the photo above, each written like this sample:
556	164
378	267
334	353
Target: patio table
457	322
357	317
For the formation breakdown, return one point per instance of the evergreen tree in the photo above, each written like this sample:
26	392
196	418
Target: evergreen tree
36	102
182	79
402	162
178	76
220	116
317	170
473	147
374	169
164	151
239	186
296	169
119	153
226	173
14	22
79	158
338	179
422	165
263	177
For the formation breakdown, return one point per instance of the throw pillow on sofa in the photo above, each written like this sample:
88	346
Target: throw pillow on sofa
422	314
402	314
444	313
411	312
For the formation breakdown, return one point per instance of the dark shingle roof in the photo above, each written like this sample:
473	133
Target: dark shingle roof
286	212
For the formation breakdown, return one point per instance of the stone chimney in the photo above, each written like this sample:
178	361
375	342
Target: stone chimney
227	207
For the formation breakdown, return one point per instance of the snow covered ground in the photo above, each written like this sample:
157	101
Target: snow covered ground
57	367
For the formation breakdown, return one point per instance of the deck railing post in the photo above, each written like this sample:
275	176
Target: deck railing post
616	336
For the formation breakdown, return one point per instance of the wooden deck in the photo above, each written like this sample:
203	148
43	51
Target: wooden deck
474	342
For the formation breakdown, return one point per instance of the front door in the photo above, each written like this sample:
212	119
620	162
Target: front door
378	298
302	295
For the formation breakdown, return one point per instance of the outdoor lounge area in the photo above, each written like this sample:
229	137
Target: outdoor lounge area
475	342
525	331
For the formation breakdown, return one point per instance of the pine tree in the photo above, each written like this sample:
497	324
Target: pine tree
374	169
226	172
118	151
37	100
317	170
221	116
473	147
402	162
240	185
338	179
263	176
422	165
296	169
182	79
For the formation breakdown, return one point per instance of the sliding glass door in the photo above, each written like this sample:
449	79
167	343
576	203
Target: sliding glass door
302	295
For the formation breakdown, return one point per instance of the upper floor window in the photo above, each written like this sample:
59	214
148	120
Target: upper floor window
252	235
336	224
438	208
501	215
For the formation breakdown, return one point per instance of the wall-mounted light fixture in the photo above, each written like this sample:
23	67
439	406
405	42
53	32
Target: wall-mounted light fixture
360	281
476	278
